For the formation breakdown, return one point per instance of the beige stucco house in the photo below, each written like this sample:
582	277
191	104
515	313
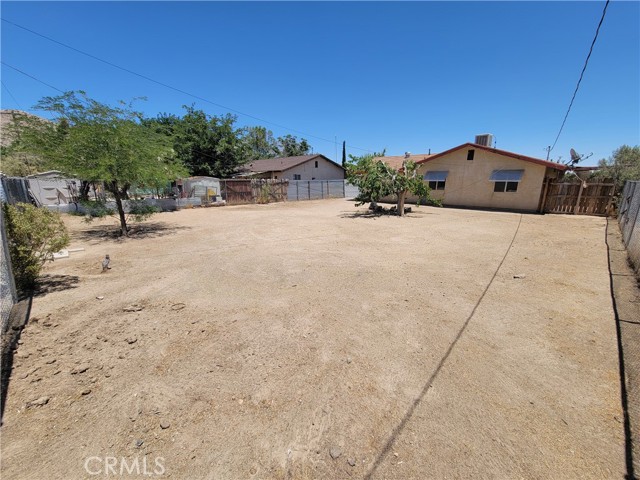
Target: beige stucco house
477	176
304	167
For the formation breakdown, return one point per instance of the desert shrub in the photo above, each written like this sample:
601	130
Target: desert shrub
140	210
264	195
34	235
94	209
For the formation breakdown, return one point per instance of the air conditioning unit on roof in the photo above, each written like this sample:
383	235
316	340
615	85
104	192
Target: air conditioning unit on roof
485	139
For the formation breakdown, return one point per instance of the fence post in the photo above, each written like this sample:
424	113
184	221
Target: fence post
309	189
297	190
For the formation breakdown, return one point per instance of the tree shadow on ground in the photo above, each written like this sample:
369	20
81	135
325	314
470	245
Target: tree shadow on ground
374	215
55	283
136	231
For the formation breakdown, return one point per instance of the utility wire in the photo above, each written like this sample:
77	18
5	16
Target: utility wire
30	76
581	75
184	92
57	89
11	95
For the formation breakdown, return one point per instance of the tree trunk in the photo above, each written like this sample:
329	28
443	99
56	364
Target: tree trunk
84	190
123	219
117	194
400	205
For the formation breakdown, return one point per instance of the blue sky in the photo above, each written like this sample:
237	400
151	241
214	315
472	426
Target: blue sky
407	76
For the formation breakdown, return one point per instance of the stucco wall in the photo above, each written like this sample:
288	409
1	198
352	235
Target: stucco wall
326	171
468	181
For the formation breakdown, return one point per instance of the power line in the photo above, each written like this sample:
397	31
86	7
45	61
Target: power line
11	95
57	89
30	76
581	75
184	92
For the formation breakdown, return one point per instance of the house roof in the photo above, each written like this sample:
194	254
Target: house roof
281	163
395	162
557	166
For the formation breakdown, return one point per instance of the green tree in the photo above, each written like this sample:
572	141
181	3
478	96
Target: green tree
260	143
375	179
206	145
98	142
622	165
34	235
290	146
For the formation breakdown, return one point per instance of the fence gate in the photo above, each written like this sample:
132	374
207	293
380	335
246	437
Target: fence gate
579	198
254	190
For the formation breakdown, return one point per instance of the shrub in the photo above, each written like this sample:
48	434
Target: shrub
140	210
94	209
264	195
34	235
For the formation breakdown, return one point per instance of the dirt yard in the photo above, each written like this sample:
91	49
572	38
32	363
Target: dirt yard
310	340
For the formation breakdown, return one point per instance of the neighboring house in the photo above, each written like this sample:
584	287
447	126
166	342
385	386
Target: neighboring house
304	167
478	176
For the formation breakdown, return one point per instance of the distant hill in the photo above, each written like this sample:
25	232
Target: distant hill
7	117
17	164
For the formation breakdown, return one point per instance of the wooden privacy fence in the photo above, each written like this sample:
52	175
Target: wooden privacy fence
578	198
256	190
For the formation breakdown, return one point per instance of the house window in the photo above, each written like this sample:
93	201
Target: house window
470	154
505	187
436	179
316	163
297	176
506	180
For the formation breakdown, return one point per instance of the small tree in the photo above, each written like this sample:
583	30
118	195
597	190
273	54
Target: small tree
97	142
34	235
622	165
375	179
344	154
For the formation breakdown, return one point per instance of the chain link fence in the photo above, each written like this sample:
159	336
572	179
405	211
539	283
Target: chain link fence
8	294
629	221
315	189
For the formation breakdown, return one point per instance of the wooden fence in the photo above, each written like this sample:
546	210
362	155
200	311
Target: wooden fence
578	198
256	190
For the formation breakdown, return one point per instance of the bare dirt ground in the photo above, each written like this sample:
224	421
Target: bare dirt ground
271	336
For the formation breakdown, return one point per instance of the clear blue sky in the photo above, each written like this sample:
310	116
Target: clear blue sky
402	76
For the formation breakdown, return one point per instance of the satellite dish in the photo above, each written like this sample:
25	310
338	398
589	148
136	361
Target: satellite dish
575	157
